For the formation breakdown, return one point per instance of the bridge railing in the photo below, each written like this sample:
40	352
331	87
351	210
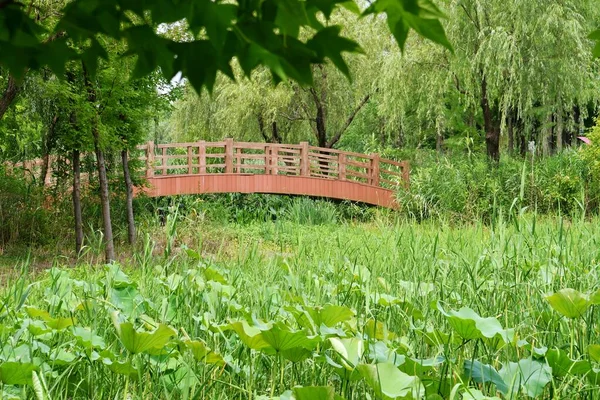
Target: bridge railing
230	157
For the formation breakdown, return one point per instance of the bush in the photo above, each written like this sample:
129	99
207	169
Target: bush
23	217
461	188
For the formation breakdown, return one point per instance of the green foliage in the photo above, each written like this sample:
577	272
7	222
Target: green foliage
287	37
469	188
309	320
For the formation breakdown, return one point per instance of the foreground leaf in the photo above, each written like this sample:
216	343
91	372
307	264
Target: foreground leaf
389	382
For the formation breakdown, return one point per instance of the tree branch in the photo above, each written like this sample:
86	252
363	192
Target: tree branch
349	120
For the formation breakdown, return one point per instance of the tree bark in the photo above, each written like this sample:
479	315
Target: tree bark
48	145
511	132
76	160
129	197
559	132
9	95
492	129
109	248
349	120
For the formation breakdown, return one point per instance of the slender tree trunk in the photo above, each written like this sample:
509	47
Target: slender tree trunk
511	132
9	95
76	160
547	136
559	132
48	145
439	142
109	248
129	197
492	131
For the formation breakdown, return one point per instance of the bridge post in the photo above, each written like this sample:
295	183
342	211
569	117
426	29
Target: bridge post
229	156
150	159
406	174
374	169
304	161
202	157
274	161
189	160
342	166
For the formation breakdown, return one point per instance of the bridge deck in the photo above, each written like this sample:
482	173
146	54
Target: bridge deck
228	166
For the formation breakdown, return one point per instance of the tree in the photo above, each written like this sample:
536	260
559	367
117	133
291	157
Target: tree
286	37
255	109
515	71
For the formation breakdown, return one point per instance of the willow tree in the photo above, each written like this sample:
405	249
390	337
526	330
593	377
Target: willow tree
255	109
516	70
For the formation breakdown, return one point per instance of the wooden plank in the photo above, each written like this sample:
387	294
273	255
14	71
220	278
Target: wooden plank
375	170
277	184
202	156
304	161
150	159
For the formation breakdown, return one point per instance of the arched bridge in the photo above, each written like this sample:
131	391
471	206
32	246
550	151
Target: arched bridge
229	166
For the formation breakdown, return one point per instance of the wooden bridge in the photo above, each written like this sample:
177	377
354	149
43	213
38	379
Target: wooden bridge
229	166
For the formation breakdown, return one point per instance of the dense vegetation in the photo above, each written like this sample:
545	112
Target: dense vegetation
379	310
482	285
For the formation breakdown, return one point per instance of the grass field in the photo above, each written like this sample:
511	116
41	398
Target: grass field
383	309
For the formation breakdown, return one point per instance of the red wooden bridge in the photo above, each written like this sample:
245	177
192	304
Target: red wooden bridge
229	166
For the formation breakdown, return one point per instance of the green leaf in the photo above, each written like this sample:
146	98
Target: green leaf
484	373
314	393
474	394
58	324
527	375
281	338
563	365
351	350
328	43
16	373
569	302
390	383
594	352
144	342
251	336
86	338
469	325
203	353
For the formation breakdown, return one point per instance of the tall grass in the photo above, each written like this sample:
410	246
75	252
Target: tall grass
394	277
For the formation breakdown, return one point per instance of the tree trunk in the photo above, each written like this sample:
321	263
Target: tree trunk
439	143
9	95
77	201
109	248
559	132
129	197
492	130
48	145
547	137
511	132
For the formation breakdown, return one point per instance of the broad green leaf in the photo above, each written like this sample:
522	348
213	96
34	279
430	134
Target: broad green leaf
328	43
351	350
86	338
280	338
594	352
203	353
128	299
251	336
569	302
527	375
563	365
15	373
144	342
469	325
484	373
390	383
54	323
314	393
